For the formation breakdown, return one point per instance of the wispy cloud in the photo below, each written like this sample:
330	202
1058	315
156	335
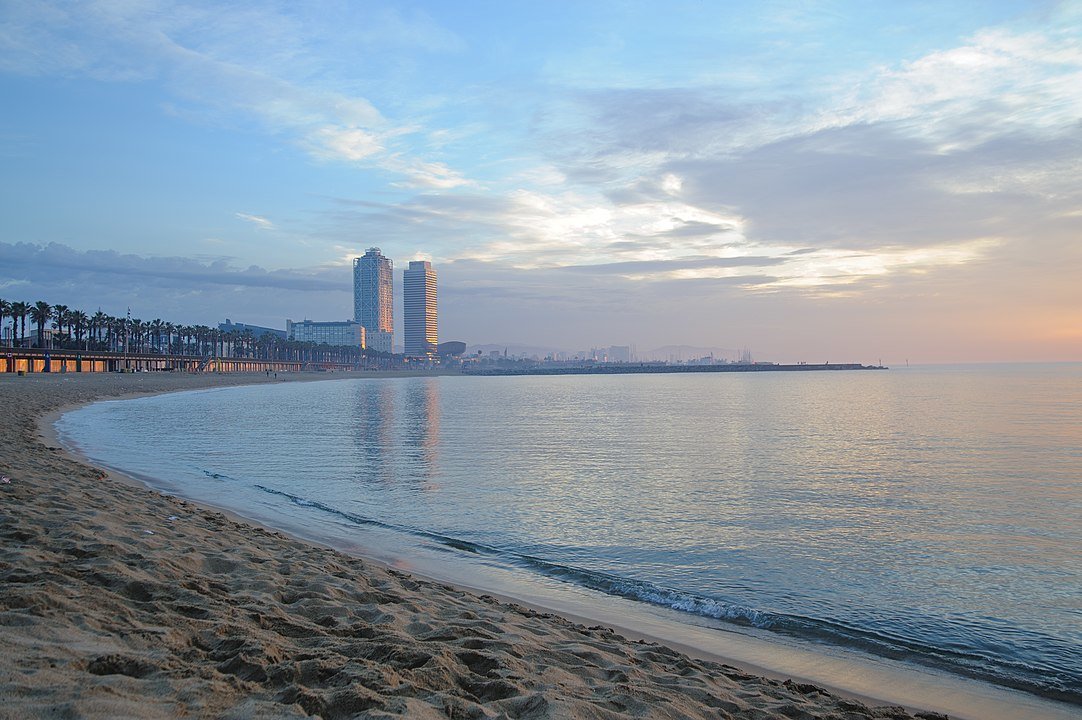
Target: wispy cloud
260	222
997	83
177	289
427	175
658	240
27	261
253	62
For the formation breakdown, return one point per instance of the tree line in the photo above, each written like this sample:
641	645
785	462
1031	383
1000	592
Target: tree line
75	330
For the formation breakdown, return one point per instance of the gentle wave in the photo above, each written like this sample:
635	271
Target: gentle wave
1048	682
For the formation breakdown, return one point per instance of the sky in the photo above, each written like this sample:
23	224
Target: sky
815	181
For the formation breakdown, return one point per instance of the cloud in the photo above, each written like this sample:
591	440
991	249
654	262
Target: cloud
244	62
534	229
260	222
181	290
945	161
427	175
996	83
827	270
668	239
37	263
667	269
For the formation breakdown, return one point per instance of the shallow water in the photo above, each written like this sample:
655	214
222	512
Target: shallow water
928	514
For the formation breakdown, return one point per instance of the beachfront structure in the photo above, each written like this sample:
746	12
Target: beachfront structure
372	297
346	332
419	309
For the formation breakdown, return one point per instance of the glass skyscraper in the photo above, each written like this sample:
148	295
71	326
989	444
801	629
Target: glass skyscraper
372	298
419	308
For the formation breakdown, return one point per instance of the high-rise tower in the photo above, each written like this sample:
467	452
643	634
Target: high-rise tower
419	308
372	298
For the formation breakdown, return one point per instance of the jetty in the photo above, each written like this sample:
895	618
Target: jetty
658	368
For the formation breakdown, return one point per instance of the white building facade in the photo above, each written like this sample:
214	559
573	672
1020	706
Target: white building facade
346	332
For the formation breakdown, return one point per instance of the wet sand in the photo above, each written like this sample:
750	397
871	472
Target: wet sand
119	601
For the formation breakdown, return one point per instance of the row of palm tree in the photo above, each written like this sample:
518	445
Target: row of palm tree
75	330
39	312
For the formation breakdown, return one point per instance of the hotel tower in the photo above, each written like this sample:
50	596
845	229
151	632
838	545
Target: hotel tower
372	298
419	306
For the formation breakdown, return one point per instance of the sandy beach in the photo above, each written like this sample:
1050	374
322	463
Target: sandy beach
119	601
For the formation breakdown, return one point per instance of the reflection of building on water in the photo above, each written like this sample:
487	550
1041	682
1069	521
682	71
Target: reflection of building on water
421	437
373	430
396	431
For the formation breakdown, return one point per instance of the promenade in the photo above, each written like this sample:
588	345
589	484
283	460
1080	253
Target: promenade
37	360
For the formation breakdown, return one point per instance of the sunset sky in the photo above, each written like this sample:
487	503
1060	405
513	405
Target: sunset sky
817	181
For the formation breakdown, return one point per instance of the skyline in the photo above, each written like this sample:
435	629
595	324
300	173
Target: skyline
823	181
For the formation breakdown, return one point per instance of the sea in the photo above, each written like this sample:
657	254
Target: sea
929	516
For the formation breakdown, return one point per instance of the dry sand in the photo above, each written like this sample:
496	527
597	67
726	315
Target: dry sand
118	601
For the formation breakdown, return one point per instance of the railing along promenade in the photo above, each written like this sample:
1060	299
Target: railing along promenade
37	360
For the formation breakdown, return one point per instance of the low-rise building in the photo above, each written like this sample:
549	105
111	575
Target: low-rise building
346	332
378	340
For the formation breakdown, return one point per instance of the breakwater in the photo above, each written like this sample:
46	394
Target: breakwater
636	368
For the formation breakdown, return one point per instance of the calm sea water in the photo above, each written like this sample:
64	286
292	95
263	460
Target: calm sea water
932	514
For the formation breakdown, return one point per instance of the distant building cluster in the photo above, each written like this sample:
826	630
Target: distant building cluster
486	358
372	326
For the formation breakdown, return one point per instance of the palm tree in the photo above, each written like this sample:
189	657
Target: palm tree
109	325
97	324
60	317
5	309
40	314
79	322
154	332
247	343
197	334
116	329
135	335
124	334
18	315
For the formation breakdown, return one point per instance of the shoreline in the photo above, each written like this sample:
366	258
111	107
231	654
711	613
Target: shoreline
817	701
